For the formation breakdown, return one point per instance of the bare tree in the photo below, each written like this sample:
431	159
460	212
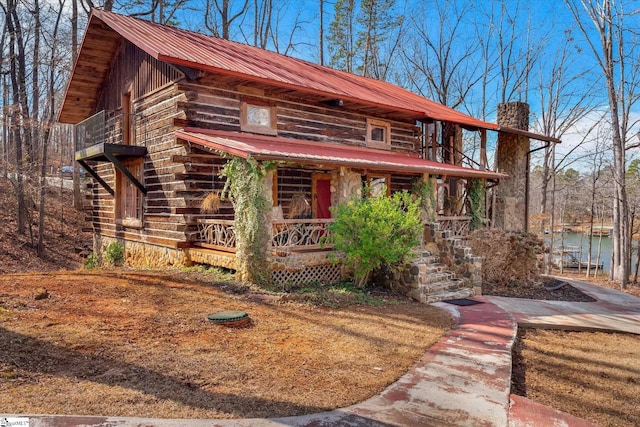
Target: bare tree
4	74
440	55
379	37
268	30
53	68
618	59
321	33
220	16
19	95
564	99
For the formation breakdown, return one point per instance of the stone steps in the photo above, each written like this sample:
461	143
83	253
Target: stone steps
428	277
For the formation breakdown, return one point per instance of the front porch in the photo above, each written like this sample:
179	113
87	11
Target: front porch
301	252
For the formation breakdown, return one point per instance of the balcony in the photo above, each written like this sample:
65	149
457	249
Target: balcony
104	133
111	136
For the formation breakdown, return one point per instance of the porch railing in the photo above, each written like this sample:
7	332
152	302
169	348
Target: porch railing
307	234
458	225
287	234
107	127
217	234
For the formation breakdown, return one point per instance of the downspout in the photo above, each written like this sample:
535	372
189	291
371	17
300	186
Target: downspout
526	186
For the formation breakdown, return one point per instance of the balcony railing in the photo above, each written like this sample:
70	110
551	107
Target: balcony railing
287	235
107	127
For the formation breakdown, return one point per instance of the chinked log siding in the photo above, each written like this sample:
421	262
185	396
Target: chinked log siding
216	106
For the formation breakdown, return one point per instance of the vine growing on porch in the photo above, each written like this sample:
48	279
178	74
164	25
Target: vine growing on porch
476	203
244	186
425	190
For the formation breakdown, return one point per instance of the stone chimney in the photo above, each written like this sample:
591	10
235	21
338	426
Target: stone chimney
512	156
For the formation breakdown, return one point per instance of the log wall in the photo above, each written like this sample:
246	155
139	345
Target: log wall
154	101
213	104
178	175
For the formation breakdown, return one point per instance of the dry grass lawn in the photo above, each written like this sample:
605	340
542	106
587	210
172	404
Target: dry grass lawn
592	375
125	343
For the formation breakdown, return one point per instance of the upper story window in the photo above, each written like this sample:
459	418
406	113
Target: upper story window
378	134
258	117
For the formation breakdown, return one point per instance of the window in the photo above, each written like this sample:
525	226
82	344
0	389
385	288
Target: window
378	183
127	122
128	196
258	117
378	134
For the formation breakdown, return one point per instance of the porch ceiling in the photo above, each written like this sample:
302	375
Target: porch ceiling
293	150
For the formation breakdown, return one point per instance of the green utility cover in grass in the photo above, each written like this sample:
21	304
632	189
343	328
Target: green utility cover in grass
228	316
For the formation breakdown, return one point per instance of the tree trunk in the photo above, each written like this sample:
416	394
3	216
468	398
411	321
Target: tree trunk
553	208
321	33
635	271
16	122
47	133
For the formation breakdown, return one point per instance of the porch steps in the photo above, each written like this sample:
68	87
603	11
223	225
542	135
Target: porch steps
428	280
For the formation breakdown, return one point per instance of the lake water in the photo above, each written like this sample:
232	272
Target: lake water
581	240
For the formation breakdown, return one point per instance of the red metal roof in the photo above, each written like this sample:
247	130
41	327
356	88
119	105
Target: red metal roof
208	53
294	150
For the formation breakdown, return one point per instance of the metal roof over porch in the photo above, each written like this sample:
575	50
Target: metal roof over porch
293	150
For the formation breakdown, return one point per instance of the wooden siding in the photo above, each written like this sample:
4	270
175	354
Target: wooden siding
134	70
164	207
293	183
403	182
212	104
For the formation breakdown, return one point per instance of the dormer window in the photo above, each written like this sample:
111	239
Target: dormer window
258	117
378	134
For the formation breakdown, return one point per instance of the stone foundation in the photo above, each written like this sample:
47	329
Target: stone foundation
137	254
208	257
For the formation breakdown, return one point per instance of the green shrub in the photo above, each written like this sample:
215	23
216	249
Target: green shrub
114	254
91	262
375	232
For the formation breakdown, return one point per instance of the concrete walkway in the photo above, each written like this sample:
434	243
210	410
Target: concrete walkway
463	380
614	311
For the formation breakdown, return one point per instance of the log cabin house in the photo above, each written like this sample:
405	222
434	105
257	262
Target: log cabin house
159	110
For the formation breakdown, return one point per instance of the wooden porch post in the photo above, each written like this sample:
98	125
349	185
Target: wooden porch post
483	149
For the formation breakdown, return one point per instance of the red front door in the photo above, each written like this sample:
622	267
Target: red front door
321	195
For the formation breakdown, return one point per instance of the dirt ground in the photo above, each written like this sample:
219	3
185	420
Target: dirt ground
138	343
545	288
592	375
63	232
132	343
